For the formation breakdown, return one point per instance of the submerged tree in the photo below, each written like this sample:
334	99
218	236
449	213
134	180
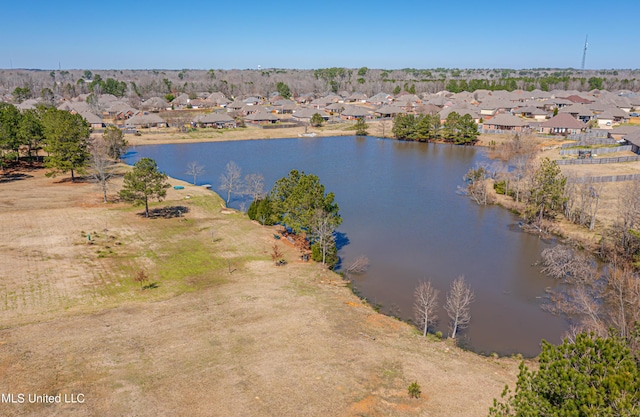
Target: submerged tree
194	169
231	180
458	305
546	196
425	305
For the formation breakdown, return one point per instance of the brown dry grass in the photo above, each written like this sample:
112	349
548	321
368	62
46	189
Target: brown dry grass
262	340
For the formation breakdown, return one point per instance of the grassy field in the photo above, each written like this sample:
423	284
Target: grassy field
224	333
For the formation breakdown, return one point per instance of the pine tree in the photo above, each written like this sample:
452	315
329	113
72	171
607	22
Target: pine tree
144	182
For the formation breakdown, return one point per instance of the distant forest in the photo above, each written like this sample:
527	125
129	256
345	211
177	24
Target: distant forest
24	83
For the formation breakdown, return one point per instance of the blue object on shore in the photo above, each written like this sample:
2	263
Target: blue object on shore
178	187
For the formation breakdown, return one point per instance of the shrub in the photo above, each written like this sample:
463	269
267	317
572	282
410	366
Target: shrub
414	390
439	334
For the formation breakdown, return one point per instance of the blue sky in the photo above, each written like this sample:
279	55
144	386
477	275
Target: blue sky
299	34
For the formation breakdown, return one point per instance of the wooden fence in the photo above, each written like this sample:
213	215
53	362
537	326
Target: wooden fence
606	178
598	160
596	150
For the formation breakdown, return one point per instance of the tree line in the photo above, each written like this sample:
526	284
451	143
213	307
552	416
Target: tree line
63	136
456	129
142	84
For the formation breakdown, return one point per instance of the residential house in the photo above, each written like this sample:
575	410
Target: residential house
562	124
505	122
355	112
532	112
305	115
380	99
215	120
262	117
389	111
95	122
605	120
146	120
356	98
154	104
579	111
461	111
633	139
620	132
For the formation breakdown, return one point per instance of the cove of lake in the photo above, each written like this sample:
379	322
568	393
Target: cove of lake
400	208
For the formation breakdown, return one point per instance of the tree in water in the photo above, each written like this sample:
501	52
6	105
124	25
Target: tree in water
546	196
425	305
458	305
231	180
194	169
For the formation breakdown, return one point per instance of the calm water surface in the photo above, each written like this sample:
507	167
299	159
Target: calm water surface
400	208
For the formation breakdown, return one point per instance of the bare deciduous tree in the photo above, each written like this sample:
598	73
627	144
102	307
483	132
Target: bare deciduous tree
425	305
358	266
563	262
194	169
254	186
231	180
478	184
323	225
458	305
102	167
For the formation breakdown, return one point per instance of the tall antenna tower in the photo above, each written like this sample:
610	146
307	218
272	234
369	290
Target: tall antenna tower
584	54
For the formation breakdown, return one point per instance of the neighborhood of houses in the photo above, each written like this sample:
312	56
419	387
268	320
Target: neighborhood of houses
556	112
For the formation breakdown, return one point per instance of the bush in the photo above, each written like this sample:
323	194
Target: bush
414	390
261	211
331	257
500	187
439	334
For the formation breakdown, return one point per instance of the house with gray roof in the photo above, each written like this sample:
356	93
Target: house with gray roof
444	113
380	99
633	139
305	115
215	120
505	121
154	104
356	112
562	124
262	117
95	122
146	121
579	111
389	111
356	98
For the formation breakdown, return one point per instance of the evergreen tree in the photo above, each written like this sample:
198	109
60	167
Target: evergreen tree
316	119
115	141
361	127
144	182
592	376
9	125
66	138
546	195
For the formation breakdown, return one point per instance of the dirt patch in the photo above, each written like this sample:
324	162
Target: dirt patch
226	333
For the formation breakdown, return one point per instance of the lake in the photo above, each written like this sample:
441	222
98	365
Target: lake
400	208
